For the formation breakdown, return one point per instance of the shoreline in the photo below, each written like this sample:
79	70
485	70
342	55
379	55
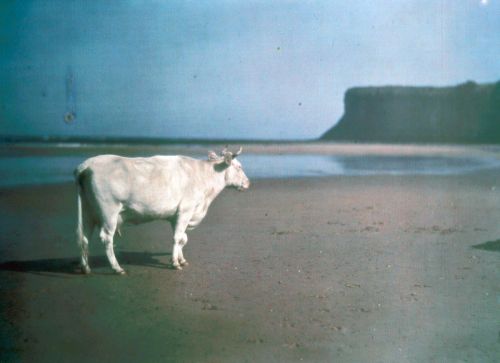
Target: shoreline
26	166
480	176
310	147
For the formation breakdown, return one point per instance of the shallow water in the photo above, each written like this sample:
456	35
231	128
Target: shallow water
278	166
33	170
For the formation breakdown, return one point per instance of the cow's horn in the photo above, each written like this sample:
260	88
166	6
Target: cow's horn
238	152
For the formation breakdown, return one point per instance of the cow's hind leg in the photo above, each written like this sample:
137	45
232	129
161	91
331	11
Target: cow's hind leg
83	241
107	239
106	235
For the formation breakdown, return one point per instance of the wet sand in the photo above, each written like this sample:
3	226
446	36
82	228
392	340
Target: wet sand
343	269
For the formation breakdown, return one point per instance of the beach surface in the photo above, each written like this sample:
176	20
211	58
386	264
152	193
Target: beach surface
337	269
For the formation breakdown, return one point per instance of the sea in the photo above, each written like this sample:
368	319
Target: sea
52	164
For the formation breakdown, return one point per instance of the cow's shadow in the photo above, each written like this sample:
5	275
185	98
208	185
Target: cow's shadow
489	246
72	265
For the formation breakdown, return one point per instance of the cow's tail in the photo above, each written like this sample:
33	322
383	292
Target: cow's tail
79	171
79	227
82	239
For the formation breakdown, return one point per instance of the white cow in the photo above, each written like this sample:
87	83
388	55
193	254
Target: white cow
113	190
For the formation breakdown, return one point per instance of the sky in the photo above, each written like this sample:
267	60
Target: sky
226	69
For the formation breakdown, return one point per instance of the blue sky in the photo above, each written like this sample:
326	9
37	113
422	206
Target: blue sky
227	69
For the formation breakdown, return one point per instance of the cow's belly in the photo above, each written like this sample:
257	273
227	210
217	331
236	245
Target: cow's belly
131	217
137	214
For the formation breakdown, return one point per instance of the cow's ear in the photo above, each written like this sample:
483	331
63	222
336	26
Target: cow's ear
212	155
228	158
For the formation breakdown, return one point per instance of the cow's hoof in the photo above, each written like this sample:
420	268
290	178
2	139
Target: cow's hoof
85	270
121	272
176	267
184	263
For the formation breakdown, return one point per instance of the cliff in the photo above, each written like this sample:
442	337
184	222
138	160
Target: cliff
467	113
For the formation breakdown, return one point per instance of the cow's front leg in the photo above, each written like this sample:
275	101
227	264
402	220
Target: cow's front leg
180	240
182	260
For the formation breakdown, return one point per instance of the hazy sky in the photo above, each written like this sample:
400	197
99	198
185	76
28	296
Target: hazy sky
227	69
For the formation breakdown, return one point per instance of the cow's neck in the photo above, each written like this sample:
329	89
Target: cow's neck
214	190
215	186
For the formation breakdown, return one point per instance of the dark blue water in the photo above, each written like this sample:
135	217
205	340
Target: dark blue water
34	170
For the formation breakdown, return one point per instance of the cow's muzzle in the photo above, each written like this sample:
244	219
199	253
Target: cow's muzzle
243	186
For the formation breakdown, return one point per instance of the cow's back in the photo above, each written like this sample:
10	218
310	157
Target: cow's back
146	187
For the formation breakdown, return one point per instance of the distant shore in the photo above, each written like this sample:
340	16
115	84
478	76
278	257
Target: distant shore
467	113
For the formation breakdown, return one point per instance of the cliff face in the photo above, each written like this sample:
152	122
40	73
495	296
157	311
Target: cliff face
467	113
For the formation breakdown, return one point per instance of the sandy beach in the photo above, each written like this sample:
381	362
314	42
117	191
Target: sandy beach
340	269
367	132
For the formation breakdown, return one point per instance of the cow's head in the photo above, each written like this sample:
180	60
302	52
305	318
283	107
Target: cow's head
233	171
